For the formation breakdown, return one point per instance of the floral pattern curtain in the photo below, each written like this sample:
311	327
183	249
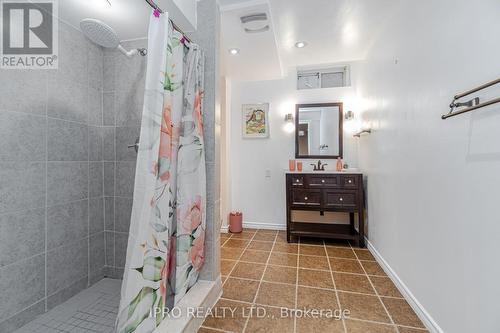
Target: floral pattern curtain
167	233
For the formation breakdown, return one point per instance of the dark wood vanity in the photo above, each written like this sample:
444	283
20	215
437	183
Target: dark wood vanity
325	192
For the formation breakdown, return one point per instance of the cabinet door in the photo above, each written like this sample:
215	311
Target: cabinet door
349	181
297	180
344	200
306	198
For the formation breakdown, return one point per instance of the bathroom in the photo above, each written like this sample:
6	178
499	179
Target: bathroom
327	124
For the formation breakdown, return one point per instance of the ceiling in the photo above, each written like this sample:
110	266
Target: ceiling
336	31
129	18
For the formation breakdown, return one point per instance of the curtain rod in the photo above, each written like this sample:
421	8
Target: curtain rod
155	6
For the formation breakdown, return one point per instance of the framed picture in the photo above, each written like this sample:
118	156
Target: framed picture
255	120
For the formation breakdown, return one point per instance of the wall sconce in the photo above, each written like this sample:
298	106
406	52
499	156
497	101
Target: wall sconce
289	123
349	115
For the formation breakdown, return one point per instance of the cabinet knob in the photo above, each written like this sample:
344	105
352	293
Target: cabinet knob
341	199
297	181
305	198
322	180
350	181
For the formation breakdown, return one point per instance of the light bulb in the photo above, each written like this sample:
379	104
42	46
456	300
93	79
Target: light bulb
289	127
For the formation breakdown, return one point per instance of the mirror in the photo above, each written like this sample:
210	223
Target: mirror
318	130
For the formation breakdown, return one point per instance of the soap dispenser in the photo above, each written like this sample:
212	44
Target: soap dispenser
339	164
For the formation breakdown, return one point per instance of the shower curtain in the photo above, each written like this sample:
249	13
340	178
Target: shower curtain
167	233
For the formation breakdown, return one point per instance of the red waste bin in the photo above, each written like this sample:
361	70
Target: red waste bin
235	222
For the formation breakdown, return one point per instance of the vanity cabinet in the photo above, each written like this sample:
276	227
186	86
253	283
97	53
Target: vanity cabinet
325	192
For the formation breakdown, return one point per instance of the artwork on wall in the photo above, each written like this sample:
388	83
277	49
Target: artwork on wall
255	120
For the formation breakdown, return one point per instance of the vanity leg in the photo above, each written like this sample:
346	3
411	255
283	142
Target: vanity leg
361	227
351	222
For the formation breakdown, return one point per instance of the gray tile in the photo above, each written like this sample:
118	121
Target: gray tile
209	136
96	63
109	73
123	211
67	223
97	256
23	317
66	264
33	87
22	235
73	62
109	238
121	241
126	136
125	176
63	295
129	108
118	273
95	143
109	272
108	108
96	174
96	215
109	179
67	99
95	106
22	137
129	90
22	185
113	272
66	181
109	213
109	143
22	284
67	141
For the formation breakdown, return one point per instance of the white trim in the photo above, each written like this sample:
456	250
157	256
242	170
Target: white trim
426	318
224	229
259	225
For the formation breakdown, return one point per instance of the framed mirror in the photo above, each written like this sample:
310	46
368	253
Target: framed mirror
318	130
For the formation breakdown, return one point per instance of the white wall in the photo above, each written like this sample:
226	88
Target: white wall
434	185
261	198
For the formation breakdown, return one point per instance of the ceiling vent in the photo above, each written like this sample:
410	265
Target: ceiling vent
255	23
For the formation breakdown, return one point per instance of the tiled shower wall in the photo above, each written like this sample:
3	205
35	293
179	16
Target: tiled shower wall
52	241
124	82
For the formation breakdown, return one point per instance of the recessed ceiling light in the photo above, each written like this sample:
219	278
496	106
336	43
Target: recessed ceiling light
300	45
234	51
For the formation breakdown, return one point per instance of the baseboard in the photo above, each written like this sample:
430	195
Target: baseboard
224	229
259	225
424	316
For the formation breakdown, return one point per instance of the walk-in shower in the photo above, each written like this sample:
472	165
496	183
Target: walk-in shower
103	35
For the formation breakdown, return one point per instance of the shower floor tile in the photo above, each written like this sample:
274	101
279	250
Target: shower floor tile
92	310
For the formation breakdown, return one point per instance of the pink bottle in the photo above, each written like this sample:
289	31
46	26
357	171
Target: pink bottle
291	165
339	164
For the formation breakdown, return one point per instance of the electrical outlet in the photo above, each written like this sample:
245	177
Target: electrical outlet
268	173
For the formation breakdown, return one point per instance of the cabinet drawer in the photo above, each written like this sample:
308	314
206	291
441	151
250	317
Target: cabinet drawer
322	181
306	197
350	181
335	199
297	180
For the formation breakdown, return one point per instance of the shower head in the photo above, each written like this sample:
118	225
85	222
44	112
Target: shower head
102	34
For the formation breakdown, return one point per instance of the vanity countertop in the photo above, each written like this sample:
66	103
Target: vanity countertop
351	171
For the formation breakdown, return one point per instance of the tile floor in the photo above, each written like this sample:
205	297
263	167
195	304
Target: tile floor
90	311
260	268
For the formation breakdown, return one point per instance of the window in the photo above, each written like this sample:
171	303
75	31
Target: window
323	78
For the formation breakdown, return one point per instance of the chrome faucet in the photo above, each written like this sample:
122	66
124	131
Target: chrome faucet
319	166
